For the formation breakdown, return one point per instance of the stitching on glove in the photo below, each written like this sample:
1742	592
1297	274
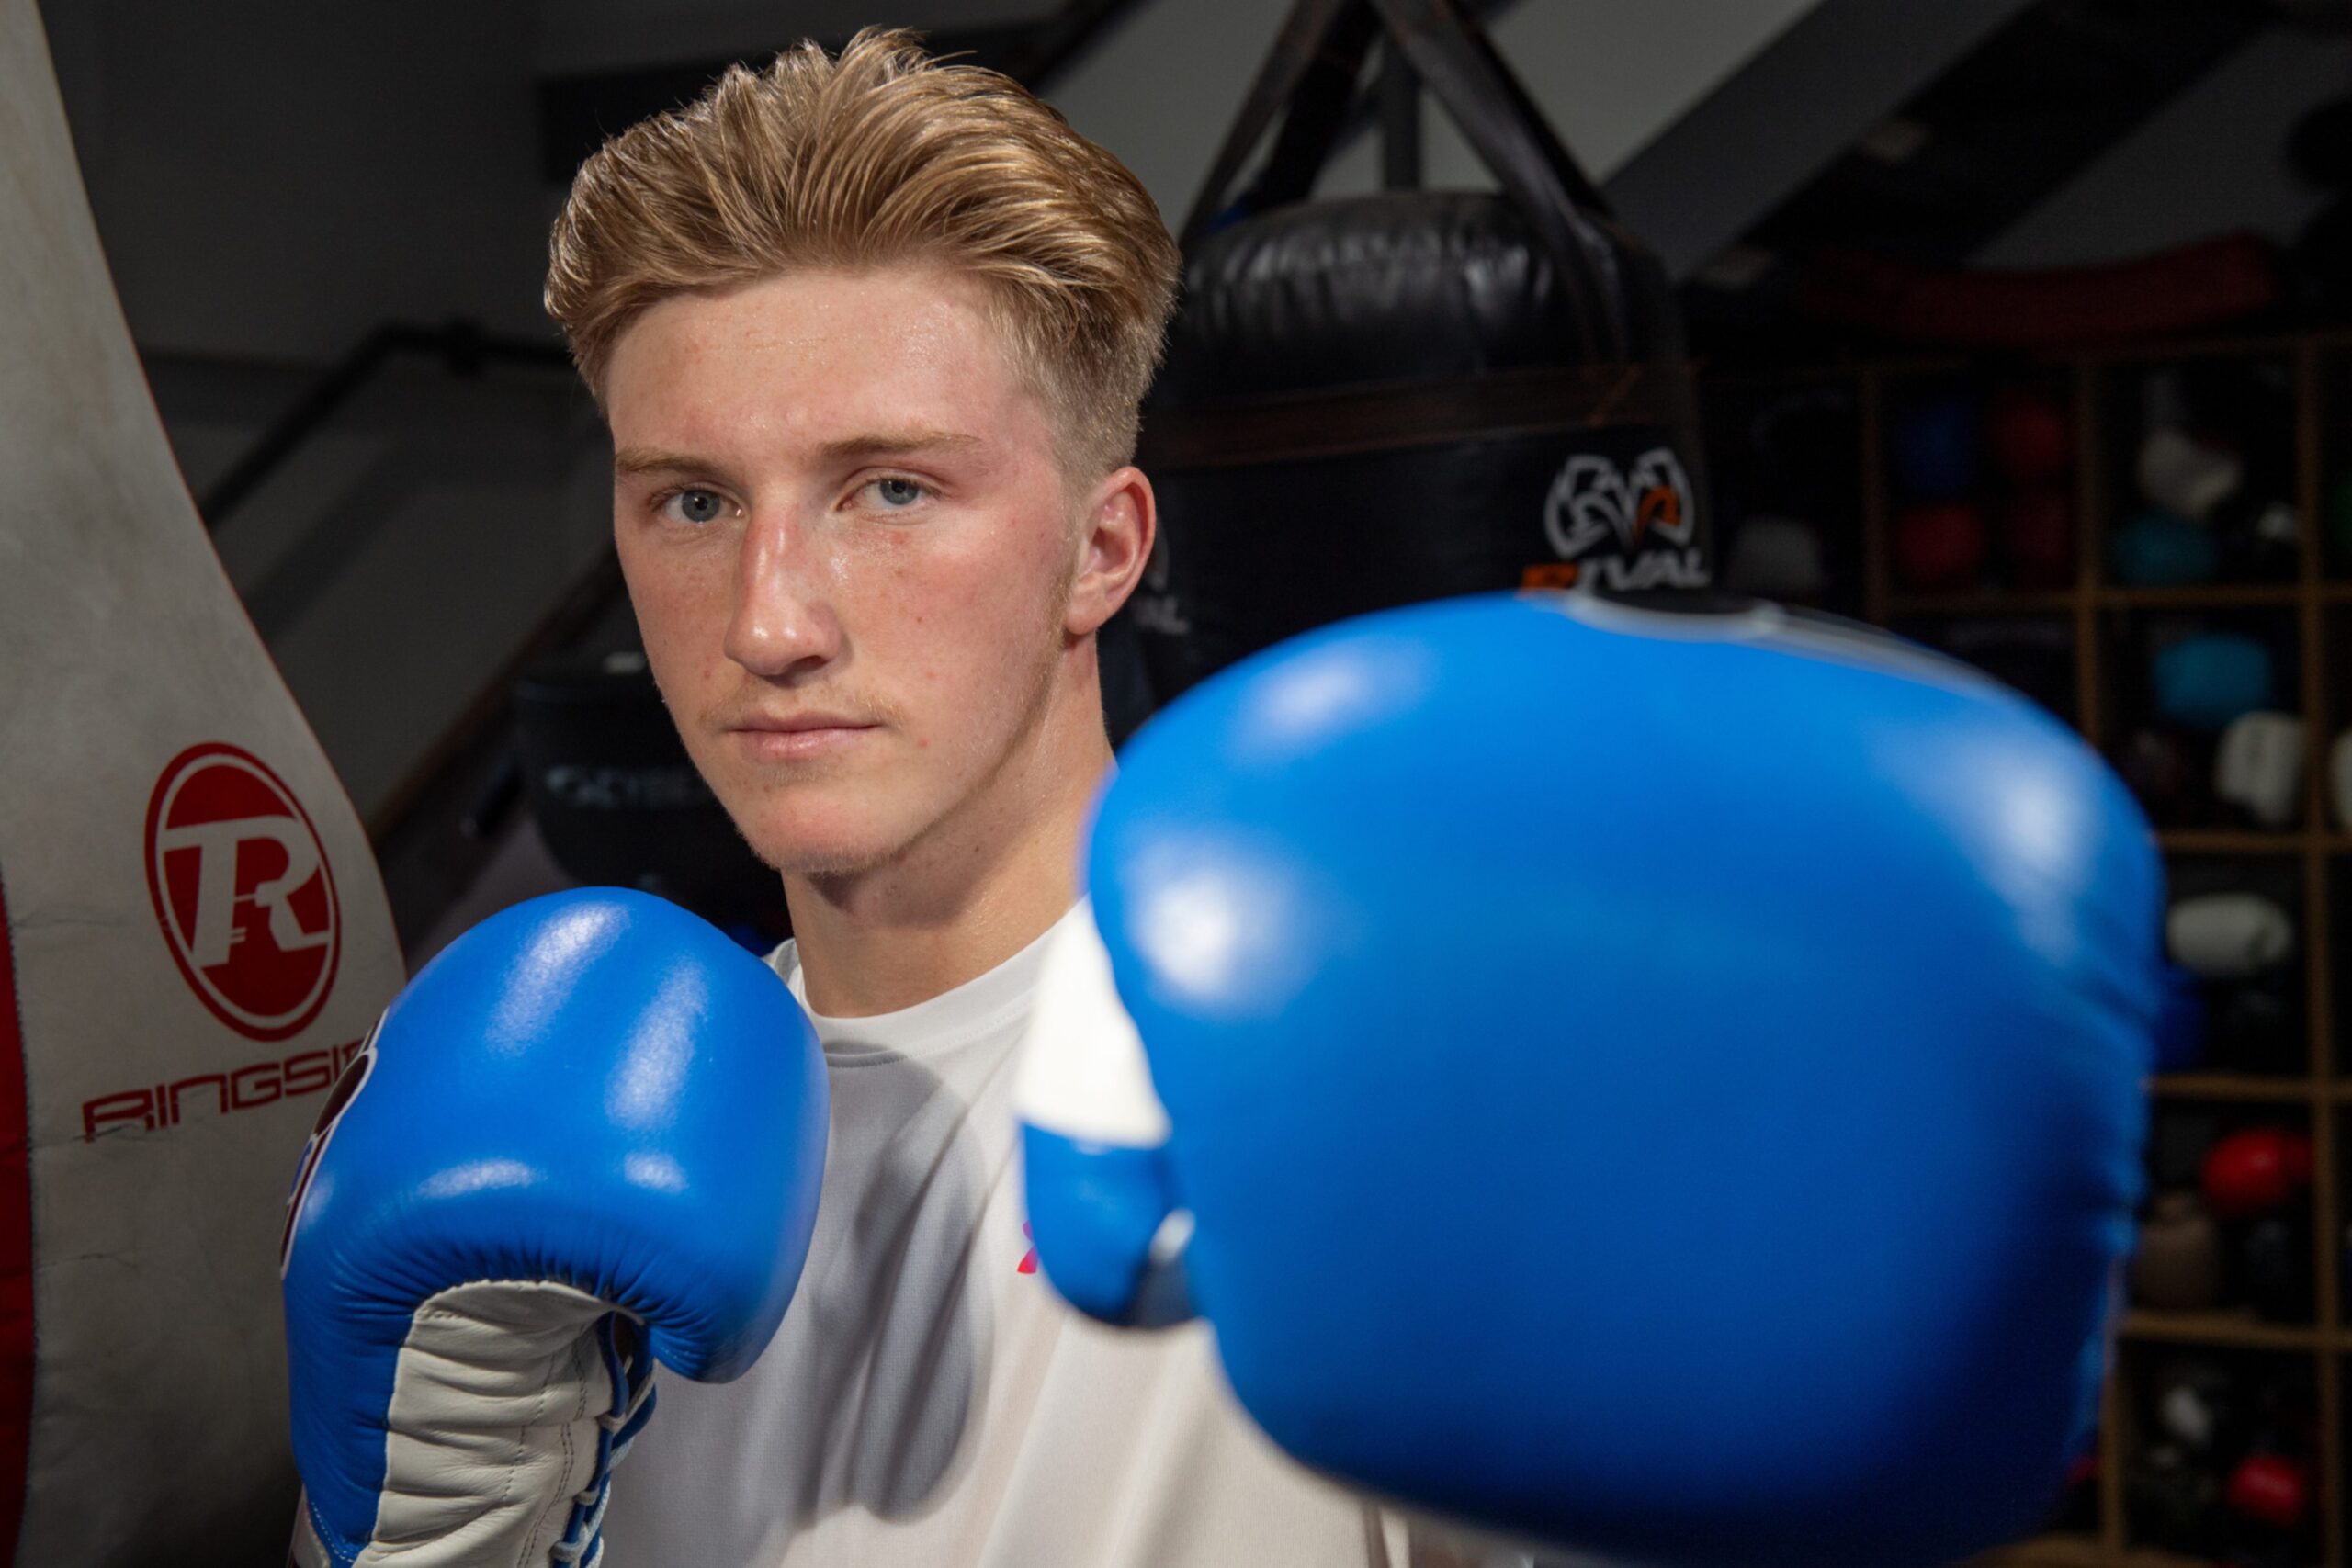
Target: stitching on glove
571	1358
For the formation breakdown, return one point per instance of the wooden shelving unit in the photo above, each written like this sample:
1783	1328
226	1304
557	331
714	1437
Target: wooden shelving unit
2069	1552
2239	1329
2228	1086
2319	607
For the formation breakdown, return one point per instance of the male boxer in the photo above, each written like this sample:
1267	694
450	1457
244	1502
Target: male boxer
871	334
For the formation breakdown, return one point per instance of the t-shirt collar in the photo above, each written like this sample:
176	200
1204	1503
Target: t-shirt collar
979	1007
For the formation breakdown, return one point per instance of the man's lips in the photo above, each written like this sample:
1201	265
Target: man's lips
798	736
795	724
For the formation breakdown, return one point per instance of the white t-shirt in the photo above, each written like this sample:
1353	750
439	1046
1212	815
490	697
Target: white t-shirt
929	1402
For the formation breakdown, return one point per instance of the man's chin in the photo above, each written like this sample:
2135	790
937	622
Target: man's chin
826	849
814	861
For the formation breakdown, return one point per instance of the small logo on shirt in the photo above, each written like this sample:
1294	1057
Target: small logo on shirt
1028	1258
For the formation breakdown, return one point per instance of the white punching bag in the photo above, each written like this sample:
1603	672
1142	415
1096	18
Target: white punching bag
194	936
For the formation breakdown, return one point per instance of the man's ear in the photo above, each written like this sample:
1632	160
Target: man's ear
1115	542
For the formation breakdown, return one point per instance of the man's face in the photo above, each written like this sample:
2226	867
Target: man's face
849	546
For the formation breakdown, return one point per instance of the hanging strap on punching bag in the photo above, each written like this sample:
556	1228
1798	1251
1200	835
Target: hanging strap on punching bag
1315	61
1311	72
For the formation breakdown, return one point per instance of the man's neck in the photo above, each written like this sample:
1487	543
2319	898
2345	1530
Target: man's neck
974	891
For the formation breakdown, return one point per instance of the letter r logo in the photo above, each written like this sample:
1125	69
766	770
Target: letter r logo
242	891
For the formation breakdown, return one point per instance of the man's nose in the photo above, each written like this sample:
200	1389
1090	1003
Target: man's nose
782	615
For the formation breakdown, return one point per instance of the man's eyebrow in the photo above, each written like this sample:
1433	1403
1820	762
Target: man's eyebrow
630	461
883	444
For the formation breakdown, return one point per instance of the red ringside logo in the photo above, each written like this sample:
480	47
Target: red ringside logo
242	891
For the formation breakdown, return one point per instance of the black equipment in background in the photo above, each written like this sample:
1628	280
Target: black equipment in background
619	804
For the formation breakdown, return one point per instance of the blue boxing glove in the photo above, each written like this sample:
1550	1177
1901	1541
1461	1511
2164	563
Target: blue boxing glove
1667	1087
587	1137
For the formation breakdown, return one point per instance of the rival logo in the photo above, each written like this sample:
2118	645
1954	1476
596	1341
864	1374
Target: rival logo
242	891
1649	515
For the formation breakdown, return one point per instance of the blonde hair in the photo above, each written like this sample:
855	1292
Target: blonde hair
883	157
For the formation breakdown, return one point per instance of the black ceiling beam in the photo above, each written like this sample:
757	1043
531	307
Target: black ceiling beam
2010	123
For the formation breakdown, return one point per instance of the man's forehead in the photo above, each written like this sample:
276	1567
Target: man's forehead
731	412
903	309
815	360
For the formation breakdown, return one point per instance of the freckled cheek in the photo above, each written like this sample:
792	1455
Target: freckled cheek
683	610
952	627
956	647
986	618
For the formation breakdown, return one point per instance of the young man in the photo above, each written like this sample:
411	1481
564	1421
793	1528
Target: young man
871	334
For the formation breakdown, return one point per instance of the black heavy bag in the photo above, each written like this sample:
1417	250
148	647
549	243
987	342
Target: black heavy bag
1400	397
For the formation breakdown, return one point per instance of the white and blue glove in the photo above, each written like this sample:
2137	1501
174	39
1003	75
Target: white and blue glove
586	1138
1665	1086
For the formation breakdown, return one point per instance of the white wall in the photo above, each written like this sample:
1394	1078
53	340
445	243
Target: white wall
398	559
272	177
471	523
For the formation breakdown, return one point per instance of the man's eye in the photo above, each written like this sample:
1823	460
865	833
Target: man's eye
897	495
695	506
